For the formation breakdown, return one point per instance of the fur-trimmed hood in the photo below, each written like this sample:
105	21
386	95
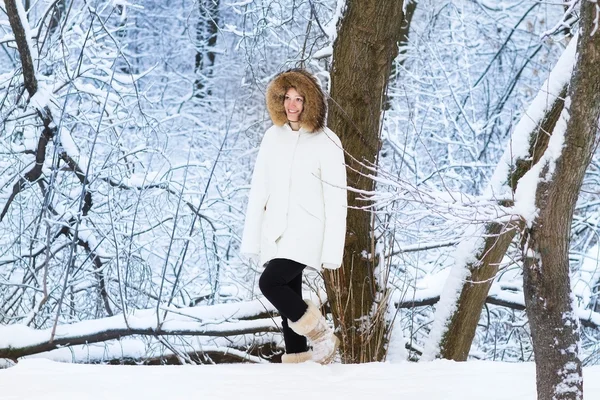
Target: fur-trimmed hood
312	118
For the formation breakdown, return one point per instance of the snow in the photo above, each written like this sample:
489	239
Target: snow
151	113
142	179
525	195
406	380
86	234
326	51
134	349
68	144
465	254
331	27
448	380
515	297
215	318
430	285
570	378
520	139
586	275
396	350
26	28
596	18
565	21
41	98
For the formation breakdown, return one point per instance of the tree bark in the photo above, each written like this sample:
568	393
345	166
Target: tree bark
366	46
548	297
24	51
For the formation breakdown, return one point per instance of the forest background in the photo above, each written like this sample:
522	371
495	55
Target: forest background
128	141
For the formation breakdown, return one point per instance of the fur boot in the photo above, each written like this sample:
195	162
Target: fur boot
296	358
314	326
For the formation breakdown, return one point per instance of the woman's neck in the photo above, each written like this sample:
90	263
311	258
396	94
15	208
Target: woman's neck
295	125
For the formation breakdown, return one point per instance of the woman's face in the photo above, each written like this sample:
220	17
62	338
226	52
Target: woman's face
294	104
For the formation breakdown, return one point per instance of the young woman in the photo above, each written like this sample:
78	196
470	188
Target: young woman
296	216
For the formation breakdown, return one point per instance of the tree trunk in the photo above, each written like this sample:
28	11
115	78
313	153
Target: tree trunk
548	297
206	36
456	342
456	323
366	46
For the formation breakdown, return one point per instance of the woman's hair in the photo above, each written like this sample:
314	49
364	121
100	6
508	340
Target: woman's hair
314	111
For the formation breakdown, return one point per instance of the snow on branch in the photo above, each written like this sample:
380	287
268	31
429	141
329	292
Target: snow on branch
158	350
522	135
217	320
450	205
20	26
567	19
499	297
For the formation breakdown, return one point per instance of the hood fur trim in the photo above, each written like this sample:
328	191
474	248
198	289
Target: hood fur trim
315	107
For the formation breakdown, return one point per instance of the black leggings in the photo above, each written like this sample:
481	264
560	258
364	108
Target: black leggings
281	283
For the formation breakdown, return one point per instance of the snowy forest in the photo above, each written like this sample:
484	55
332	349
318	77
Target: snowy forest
128	134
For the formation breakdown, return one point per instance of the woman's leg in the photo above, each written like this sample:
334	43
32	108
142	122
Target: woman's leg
274	284
281	283
294	343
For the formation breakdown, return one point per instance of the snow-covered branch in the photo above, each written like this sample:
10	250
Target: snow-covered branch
217	321
499	297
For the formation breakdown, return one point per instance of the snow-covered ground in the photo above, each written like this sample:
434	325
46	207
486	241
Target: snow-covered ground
447	380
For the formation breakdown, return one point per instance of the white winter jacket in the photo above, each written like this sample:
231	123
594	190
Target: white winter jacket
298	199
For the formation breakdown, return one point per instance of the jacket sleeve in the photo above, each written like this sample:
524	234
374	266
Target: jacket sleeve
333	175
257	200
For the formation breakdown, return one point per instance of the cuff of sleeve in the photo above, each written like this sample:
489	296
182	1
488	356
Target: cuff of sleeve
331	266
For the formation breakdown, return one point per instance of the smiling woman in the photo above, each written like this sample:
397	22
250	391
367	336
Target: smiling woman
296	216
294	104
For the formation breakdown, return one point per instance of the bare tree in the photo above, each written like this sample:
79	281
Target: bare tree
559	175
459	321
